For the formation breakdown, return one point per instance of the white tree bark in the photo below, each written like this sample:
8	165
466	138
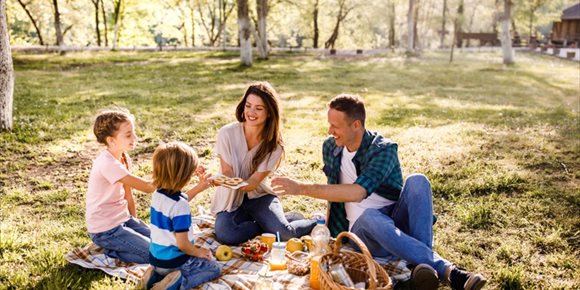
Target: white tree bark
410	31
118	10
6	73
506	39
245	31
262	41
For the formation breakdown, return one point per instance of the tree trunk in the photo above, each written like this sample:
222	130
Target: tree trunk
343	11
332	39
415	21
97	31
315	23
392	17
105	30
33	21
262	42
459	24
532	12
444	19
245	31
506	40
191	5
57	29
117	21
6	74
410	21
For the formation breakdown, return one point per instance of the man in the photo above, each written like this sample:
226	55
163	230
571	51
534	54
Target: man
367	196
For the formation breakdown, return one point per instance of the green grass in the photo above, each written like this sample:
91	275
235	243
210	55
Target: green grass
499	144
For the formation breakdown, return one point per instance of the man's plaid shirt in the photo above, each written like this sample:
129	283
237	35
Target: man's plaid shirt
377	167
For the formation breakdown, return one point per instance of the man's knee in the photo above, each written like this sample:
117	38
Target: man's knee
418	179
369	219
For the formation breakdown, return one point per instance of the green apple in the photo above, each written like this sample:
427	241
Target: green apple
223	253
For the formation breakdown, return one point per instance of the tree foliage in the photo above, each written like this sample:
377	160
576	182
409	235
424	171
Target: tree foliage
305	23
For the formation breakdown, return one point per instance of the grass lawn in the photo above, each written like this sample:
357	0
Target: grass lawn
499	144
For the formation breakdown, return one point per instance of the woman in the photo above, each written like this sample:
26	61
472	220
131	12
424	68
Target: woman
251	149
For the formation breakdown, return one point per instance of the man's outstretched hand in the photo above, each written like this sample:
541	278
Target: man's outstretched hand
285	186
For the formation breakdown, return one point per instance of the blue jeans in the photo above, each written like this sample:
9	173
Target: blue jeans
194	272
405	229
256	216
128	242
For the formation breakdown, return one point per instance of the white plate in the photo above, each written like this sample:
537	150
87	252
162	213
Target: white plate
243	183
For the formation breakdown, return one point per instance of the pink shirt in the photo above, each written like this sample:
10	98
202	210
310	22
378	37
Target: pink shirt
106	204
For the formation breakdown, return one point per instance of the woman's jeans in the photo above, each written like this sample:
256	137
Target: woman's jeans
403	230
128	242
256	216
194	272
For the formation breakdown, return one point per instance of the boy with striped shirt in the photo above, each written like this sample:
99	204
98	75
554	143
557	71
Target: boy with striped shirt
175	262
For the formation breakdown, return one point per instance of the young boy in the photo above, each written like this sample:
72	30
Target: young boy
175	262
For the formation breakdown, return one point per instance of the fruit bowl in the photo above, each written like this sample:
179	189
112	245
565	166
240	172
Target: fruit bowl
254	250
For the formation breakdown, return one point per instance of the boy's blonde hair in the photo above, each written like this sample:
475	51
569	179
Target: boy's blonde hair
173	165
108	121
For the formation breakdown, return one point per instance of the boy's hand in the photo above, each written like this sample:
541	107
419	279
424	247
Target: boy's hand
200	171
204	181
203	253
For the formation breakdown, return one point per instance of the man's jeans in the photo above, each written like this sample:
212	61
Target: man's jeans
256	216
405	229
128	242
194	272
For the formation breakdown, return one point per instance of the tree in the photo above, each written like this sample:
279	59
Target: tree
97	30
34	21
245	31
315	29
191	6
458	25
506	40
6	73
179	4
392	17
343	11
415	21
444	19
105	30
117	17
262	39
534	5
213	16
57	24
410	26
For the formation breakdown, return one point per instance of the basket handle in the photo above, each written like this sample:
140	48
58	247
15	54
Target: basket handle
366	254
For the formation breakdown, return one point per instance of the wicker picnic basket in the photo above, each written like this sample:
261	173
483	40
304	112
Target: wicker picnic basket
360	267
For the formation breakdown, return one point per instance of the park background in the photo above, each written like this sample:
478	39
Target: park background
498	142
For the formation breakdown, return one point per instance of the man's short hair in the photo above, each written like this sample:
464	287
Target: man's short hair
351	105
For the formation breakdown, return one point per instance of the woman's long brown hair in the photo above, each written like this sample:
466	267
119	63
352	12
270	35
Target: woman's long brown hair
270	135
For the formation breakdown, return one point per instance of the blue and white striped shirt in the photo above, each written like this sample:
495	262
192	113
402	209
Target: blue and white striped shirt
170	214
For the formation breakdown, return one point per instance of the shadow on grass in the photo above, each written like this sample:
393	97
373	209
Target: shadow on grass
69	276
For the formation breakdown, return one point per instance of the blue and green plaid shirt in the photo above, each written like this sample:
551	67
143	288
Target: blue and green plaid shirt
377	167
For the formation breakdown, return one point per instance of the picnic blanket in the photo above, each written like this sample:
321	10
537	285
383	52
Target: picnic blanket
237	273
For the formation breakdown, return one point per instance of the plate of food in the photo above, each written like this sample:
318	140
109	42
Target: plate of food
254	250
230	182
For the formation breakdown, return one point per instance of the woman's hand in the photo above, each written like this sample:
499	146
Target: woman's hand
254	181
252	184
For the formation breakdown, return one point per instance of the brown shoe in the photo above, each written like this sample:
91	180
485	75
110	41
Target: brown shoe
170	281
425	277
